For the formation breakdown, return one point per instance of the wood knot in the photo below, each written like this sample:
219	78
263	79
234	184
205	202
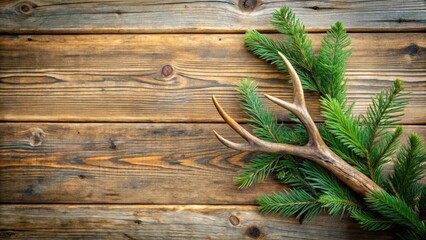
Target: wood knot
167	70
26	7
254	232
36	136
137	221
247	5
413	49
234	220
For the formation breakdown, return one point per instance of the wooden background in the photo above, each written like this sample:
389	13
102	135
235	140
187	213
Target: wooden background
106	119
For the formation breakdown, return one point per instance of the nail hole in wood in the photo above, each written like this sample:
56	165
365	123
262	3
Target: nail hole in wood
167	70
234	220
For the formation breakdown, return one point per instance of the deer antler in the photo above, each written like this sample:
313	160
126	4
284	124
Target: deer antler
315	150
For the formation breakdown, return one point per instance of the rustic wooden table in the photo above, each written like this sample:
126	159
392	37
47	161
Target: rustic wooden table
106	118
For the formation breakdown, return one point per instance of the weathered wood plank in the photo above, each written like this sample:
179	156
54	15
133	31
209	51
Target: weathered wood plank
170	78
124	163
166	222
78	16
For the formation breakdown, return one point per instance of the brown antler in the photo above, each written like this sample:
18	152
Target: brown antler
315	150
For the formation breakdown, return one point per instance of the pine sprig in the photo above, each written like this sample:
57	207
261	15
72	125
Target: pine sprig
343	125
265	126
408	170
290	171
370	222
342	150
257	171
296	37
263	122
381	154
331	63
335	195
337	205
385	110
297	48
366	142
397	211
290	202
267	49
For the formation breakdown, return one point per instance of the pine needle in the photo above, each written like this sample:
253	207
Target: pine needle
366	142
290	202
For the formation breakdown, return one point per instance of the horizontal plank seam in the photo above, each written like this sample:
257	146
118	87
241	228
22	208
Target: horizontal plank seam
319	31
165	122
124	204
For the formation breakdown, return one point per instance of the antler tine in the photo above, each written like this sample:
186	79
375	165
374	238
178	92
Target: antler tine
255	144
289	106
315	150
238	146
299	98
298	107
233	124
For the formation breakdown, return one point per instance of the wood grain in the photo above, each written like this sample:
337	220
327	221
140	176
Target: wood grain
170	78
124	163
166	222
121	163
150	16
150	168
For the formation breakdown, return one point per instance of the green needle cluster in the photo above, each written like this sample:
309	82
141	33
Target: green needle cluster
367	142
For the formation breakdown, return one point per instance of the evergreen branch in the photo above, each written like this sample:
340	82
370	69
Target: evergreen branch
265	127
266	49
396	210
381	154
370	222
342	150
384	112
331	63
297	40
326	183
257	171
364	142
344	126
262	120
386	148
290	202
290	173
408	170
336	204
